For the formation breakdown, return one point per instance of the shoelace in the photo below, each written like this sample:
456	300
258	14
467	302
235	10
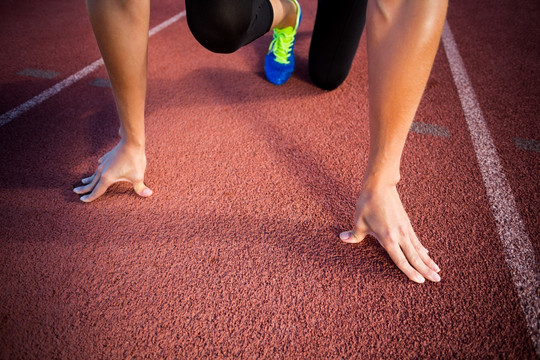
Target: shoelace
281	44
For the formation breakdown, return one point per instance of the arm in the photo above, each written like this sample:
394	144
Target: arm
403	37
121	30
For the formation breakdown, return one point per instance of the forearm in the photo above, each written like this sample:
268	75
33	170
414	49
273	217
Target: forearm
121	31
403	37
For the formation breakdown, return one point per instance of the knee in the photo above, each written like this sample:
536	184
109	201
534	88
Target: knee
219	27
386	11
329	69
325	80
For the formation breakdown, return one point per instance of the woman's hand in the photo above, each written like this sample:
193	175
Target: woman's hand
379	212
123	163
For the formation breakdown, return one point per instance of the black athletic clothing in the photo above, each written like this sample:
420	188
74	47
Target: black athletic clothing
224	26
338	28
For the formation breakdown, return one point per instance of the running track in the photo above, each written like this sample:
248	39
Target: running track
237	255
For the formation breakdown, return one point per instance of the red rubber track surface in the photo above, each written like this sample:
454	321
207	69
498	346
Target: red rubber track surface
237	254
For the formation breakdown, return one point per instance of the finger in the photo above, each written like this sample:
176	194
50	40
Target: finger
414	258
422	251
417	243
88	180
142	190
101	159
351	237
401	261
89	187
99	190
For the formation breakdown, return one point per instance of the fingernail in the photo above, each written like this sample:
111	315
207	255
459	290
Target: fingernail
84	198
76	189
146	192
345	235
436	277
437	268
420	279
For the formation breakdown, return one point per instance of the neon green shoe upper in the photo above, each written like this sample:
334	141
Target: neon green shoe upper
282	44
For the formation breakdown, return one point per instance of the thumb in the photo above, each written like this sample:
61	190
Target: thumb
352	237
142	190
357	234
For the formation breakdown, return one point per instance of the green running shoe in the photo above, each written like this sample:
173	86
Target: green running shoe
279	62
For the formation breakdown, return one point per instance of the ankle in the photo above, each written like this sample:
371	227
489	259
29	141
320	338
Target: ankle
290	14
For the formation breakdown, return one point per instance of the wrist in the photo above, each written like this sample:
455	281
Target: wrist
382	169
131	140
380	179
134	147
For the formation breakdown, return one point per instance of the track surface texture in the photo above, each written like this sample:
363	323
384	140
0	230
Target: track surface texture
237	255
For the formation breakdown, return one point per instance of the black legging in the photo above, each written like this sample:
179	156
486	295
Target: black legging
224	26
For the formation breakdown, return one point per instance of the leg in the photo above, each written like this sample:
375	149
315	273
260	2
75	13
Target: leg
121	30
224	26
403	37
337	32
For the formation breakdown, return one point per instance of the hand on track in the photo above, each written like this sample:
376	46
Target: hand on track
123	163
380	213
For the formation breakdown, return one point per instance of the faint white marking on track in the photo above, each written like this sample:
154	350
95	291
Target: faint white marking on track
38	99
519	252
527	144
43	74
105	83
430	129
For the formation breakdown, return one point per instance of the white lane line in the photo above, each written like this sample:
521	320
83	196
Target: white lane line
519	252
166	23
38	99
13	113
